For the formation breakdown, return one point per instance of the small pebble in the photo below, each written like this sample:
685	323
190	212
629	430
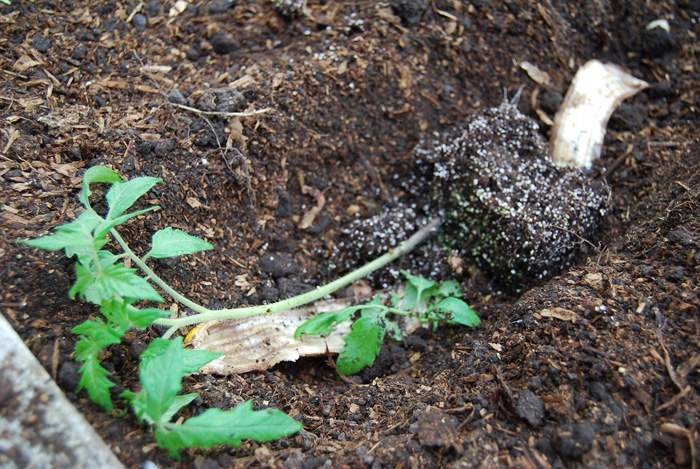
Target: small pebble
139	21
41	43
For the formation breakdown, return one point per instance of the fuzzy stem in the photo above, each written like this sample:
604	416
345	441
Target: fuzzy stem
206	314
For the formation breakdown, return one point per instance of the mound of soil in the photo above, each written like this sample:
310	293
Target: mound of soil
595	367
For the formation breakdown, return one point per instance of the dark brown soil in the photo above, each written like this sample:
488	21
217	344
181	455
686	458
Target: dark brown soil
595	367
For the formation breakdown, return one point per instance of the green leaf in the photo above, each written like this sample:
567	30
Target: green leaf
227	427
124	316
450	288
161	374
106	283
123	195
410	297
163	365
458	312
76	238
94	175
192	360
322	324
362	346
424	289
170	242
95	337
180	401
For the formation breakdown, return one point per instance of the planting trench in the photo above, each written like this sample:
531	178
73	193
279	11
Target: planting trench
593	366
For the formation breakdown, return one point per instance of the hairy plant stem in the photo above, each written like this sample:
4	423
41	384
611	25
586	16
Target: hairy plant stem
206	314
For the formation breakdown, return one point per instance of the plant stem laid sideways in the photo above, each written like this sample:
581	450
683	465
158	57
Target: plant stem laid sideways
104	279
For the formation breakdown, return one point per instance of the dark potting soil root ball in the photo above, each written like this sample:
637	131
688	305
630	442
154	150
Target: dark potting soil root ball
506	205
368	238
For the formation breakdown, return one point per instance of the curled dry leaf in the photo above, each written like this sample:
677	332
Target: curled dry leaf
562	314
260	342
309	217
537	75
579	126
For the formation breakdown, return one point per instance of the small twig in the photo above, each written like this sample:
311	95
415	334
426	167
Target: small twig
577	235
667	361
466	421
674	400
54	358
221	113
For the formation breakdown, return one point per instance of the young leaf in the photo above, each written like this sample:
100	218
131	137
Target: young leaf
424	288
458	312
95	336
322	324
227	427
450	288
76	238
161	376
163	365
123	316
122	195
192	359
362	346
170	242
112	281
94	175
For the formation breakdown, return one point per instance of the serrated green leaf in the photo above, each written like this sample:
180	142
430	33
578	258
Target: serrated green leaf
144	317
180	401
163	365
123	316
94	175
95	337
450	288
161	376
192	360
76	238
106	283
362	346
170	242
93	378
456	311
123	195
227	427
322	324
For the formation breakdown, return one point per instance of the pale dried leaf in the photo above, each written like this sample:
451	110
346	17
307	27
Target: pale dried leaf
536	74
562	314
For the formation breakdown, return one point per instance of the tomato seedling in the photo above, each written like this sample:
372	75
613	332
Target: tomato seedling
102	278
430	302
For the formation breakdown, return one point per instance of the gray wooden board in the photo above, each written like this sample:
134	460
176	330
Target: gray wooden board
39	428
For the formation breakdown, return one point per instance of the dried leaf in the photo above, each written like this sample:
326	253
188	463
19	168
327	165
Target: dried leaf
562	314
24	63
537	75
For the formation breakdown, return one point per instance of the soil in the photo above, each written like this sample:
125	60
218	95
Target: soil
594	367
